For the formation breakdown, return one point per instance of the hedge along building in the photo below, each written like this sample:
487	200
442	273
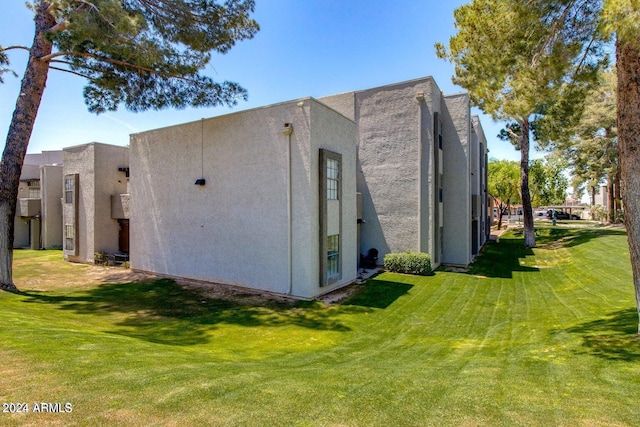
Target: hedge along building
421	170
263	198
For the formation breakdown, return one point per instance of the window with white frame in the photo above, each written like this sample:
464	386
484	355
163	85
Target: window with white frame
69	237
69	188
333	179
333	256
34	192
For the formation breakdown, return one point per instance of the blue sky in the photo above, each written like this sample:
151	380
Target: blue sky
304	48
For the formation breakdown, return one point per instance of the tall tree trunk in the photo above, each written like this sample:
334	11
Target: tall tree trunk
500	215
527	211
628	66
618	196
24	116
610	200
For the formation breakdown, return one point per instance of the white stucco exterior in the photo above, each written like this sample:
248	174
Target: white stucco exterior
255	221
51	193
242	199
38	220
456	130
98	169
416	192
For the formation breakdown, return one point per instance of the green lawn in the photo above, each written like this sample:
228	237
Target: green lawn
538	337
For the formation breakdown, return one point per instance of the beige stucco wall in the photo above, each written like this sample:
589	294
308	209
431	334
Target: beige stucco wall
395	154
238	229
51	195
479	179
344	103
397	170
456	123
54	157
45	230
97	167
331	130
21	226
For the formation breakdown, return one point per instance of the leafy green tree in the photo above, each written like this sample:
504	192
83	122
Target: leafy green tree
585	24
590	144
548	182
503	184
145	54
518	58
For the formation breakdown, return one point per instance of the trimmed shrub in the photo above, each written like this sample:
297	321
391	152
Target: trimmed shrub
408	262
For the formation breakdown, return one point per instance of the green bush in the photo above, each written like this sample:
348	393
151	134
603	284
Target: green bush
598	213
408	262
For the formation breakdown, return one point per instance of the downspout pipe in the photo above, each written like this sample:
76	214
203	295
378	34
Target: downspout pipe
421	99
287	130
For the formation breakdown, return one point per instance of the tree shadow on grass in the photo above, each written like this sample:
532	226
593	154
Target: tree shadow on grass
614	337
553	238
502	259
378	294
163	311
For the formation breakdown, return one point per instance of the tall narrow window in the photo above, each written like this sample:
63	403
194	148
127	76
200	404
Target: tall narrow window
333	256
330	170
70	214
333	179
69	237
69	187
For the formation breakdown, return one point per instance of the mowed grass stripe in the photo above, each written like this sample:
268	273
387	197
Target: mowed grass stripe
527	337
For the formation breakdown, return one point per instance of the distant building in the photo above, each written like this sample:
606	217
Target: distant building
601	197
95	201
38	220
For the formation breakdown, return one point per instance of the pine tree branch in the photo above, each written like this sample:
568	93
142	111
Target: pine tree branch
99	58
110	61
65	70
4	49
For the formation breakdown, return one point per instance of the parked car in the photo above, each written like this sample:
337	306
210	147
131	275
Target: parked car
562	215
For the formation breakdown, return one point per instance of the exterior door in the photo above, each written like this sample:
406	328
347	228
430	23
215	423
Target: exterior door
123	237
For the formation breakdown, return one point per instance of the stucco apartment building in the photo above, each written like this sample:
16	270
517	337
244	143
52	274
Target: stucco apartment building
284	198
94	201
38	219
421	170
264	199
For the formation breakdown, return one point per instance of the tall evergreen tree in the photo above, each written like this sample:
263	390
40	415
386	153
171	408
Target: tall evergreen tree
589	144
145	54
517	58
622	18
487	42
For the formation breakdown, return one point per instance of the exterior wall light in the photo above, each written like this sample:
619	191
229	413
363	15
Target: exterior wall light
287	129
200	181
